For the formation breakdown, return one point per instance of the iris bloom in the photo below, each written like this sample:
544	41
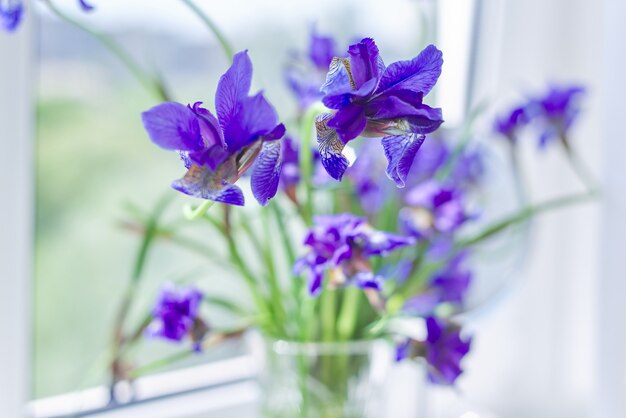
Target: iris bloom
306	73
443	350
556	111
176	315
341	244
370	99
449	285
11	14
433	208
510	124
87	7
218	151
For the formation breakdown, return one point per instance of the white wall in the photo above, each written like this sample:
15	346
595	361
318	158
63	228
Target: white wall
535	354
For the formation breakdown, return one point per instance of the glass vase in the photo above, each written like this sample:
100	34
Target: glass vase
322	380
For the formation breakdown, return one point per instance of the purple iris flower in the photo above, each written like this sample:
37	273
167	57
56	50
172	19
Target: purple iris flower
306	73
175	315
377	101
443	350
449	285
11	14
365	174
342	244
510	124
433	208
87	7
218	151
556	111
290	174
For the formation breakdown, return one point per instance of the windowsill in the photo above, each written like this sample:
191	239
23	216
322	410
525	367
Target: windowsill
230	383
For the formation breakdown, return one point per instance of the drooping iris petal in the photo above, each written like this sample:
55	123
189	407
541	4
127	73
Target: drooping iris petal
200	181
232	88
87	7
400	151
419	74
11	14
173	126
266	172
253	117
365	62
330	148
425	120
348	122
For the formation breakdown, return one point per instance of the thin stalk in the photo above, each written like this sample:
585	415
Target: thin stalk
272	273
328	312
131	290
194	214
346	322
579	167
151	83
241	266
524	214
213	28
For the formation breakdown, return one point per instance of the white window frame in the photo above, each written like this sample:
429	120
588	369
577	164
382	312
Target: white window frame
17	75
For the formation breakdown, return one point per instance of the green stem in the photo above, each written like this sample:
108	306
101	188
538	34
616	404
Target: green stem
226	47
159	364
150	83
272	273
524	214
328	311
131	290
193	214
579	167
346	322
244	271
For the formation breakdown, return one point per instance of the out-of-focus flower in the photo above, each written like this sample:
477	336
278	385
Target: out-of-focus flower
176	315
341	244
448	285
466	166
86	6
443	350
290	174
11	14
510	124
432	208
377	101
218	151
553	114
556	111
306	72
366	174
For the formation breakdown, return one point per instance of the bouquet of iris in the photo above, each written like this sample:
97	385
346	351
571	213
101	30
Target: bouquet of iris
365	226
366	231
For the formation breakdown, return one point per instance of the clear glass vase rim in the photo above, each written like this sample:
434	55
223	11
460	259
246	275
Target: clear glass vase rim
292	347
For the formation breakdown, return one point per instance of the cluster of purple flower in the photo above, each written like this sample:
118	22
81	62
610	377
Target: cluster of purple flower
12	13
366	99
552	114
